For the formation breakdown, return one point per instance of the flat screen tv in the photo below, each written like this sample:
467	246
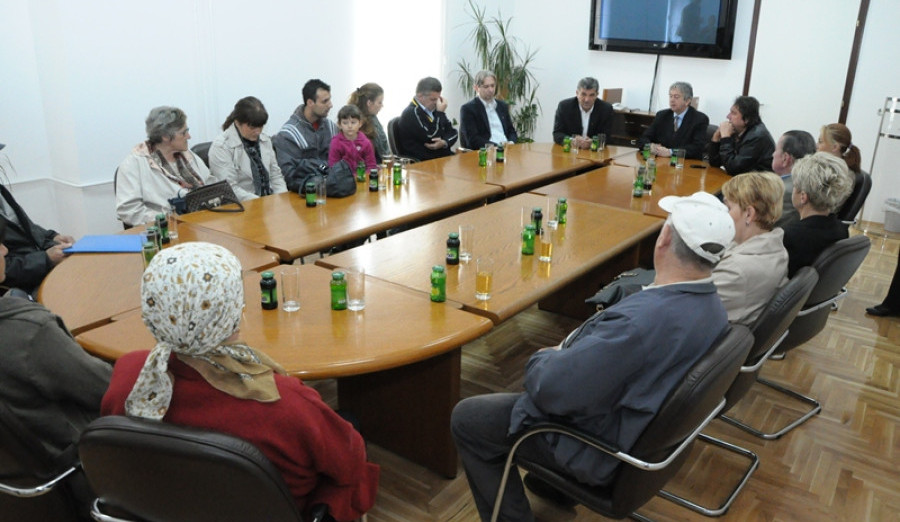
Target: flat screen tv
698	28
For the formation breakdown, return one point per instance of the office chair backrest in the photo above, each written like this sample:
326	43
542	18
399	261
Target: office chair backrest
202	150
162	472
698	395
393	136
770	326
710	130
25	464
835	266
862	184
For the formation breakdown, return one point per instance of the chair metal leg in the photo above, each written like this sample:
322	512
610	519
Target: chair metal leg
719	511
816	408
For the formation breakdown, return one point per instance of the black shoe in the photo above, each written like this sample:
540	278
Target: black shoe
882	311
548	492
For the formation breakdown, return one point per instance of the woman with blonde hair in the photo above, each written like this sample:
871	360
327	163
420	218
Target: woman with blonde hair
821	185
755	265
200	374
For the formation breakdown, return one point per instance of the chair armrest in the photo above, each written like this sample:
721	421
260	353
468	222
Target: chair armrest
36	491
99	516
823	304
765	357
594	442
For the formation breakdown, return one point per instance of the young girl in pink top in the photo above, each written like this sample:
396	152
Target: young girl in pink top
351	145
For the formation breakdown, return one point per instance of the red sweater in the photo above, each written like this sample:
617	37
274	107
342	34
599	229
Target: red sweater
321	457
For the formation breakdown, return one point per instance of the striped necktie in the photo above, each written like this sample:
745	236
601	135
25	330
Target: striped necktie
677	120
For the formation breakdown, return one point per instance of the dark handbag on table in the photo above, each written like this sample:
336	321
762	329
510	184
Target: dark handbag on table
340	181
210	197
623	285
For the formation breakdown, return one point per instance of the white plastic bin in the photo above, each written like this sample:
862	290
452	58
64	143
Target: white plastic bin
892	215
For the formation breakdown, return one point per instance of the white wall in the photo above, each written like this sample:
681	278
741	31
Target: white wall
877	77
80	77
801	61
561	37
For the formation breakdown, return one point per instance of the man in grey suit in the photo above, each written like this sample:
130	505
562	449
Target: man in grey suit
793	145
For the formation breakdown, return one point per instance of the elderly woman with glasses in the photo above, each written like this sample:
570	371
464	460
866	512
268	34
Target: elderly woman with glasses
158	169
200	374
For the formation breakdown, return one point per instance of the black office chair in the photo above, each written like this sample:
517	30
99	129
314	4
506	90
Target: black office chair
33	484
151	471
663	446
862	184
769	330
202	150
393	138
835	266
710	130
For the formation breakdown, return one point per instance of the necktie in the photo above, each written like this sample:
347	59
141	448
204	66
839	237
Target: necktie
676	121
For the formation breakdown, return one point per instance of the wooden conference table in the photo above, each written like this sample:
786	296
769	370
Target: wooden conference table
284	224
522	170
600	158
401	382
613	185
88	290
597	243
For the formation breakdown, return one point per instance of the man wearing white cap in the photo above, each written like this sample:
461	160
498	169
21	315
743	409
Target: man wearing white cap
609	376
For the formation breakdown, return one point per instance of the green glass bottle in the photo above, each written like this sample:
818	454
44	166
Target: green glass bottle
438	284
338	291
267	288
567	144
562	207
528	240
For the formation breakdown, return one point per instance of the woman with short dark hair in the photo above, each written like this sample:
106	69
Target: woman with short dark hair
243	155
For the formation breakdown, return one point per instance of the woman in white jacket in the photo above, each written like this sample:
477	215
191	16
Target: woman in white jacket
243	155
158	169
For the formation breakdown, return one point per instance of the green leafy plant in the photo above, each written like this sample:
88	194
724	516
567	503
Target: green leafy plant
498	51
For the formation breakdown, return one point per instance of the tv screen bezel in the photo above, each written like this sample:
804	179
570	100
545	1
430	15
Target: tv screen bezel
721	50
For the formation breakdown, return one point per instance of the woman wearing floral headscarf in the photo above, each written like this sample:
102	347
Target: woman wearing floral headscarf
200	375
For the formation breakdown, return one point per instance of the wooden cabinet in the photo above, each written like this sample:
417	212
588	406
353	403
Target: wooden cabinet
628	126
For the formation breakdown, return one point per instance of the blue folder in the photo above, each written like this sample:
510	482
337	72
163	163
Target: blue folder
106	244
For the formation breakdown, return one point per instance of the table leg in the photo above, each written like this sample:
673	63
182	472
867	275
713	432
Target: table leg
570	300
407	410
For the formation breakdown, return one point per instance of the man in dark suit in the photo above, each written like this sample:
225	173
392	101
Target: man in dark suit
678	127
583	116
424	131
33	250
485	120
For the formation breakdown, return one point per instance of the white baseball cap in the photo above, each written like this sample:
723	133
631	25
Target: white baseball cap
702	221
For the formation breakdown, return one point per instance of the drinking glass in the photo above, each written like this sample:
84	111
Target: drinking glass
172	217
321	191
679	158
356	287
404	169
602	139
546	245
484	278
290	288
466	241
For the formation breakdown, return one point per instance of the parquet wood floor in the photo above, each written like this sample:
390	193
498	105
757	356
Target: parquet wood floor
842	465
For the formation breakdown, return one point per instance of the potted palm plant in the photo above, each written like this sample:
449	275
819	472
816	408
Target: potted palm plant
497	50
